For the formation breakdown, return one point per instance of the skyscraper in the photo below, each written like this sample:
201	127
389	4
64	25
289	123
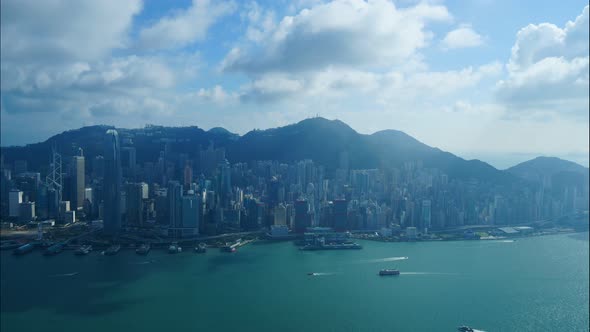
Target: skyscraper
302	216
112	183
191	204
426	214
175	206
78	184
134	205
15	197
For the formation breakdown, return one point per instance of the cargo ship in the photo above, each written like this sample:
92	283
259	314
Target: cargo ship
112	250
54	249
389	272
201	248
143	249
83	250
24	249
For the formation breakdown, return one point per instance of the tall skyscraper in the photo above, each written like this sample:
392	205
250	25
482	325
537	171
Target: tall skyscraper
426	214
188	175
112	183
191	204
78	184
15	198
134	204
302	216
175	205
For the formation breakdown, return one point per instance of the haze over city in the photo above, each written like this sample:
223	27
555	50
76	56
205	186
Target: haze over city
486	79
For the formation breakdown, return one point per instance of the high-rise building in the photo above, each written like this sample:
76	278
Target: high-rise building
175	205
190	214
302	216
188	175
134	204
340	211
78	185
15	198
280	215
426	215
112	183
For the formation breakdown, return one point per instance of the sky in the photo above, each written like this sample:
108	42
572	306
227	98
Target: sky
498	80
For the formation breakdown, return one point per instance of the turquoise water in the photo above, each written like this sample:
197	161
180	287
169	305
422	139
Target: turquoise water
532	284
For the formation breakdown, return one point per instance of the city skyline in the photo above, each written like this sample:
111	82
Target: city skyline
224	64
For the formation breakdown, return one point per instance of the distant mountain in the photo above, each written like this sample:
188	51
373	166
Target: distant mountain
319	139
535	169
554	172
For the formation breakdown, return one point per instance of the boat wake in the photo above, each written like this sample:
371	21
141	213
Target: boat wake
64	275
429	273
388	259
319	274
143	263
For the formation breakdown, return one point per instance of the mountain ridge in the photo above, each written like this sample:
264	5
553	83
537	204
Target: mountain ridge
319	139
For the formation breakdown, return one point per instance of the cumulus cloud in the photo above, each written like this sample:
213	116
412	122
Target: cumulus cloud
462	37
184	27
548	69
340	34
64	30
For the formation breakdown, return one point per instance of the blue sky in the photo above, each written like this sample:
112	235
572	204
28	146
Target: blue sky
501	81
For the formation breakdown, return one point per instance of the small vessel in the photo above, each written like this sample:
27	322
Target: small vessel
174	248
112	250
54	249
312	274
83	250
24	249
201	248
228	248
143	249
389	272
464	328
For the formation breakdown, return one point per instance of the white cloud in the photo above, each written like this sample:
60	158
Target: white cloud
352	33
63	30
462	37
548	69
184	27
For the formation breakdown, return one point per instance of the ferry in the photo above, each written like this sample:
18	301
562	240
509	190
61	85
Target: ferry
24	249
83	250
54	249
201	248
112	250
389	272
174	248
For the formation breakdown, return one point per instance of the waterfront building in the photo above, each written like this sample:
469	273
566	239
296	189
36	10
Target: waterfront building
134	205
280	215
175	205
15	198
190	214
411	233
27	211
112	183
302	216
